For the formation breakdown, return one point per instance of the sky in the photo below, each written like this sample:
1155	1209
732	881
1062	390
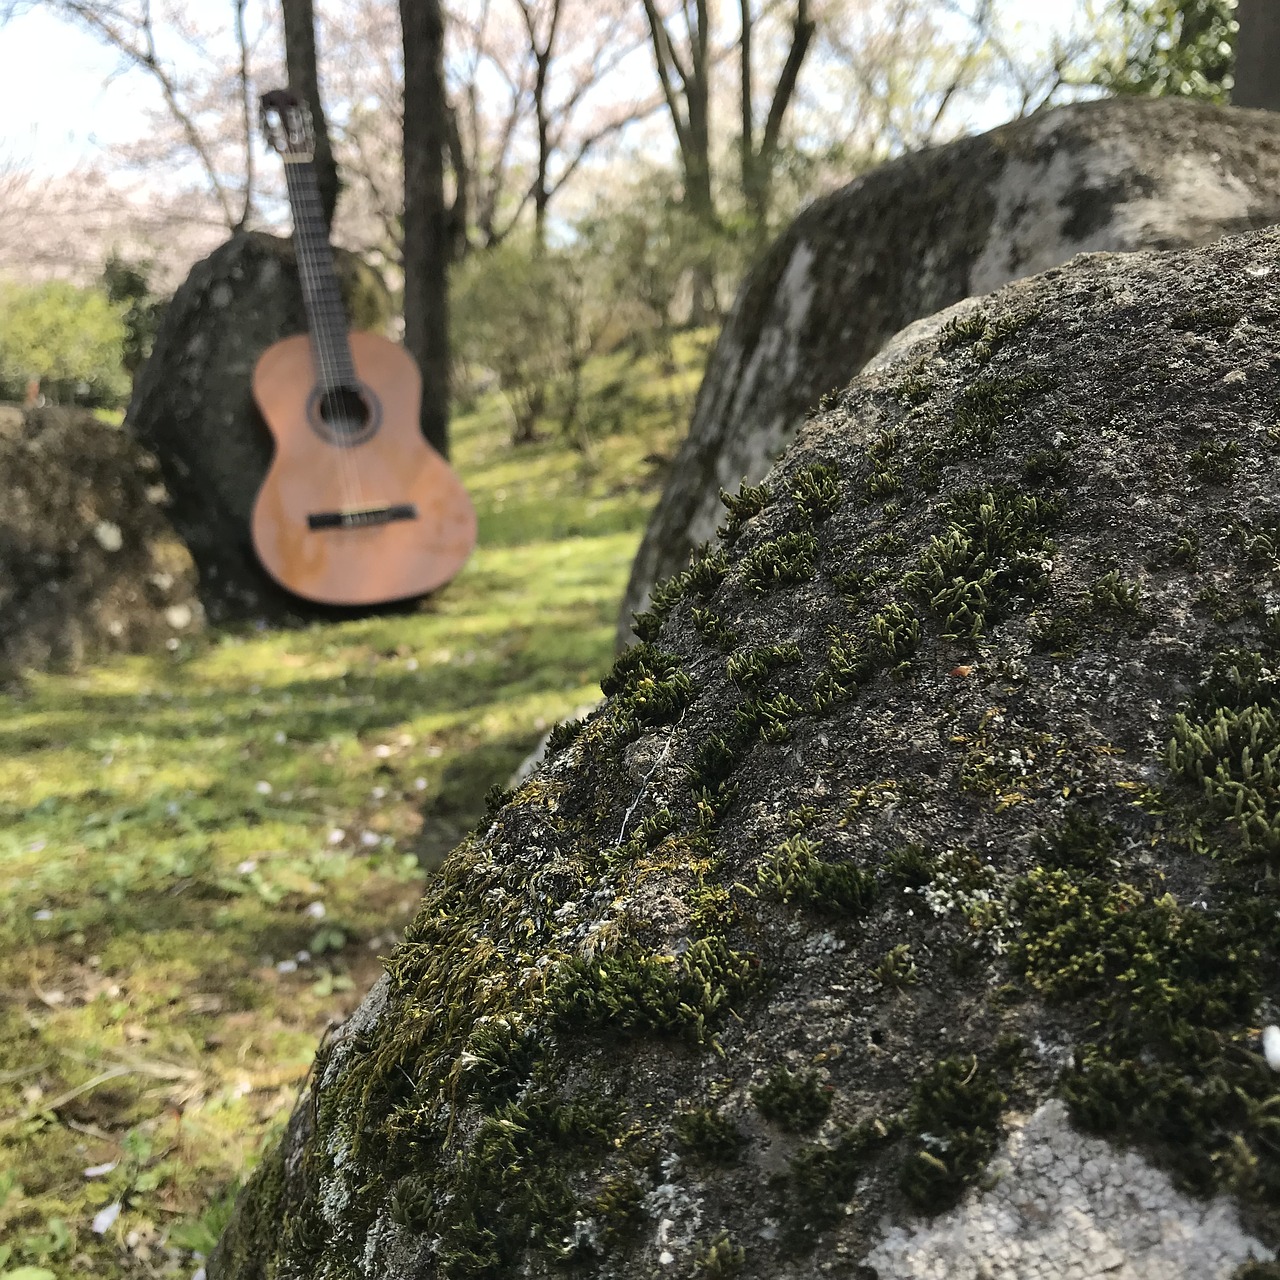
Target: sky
60	100
63	96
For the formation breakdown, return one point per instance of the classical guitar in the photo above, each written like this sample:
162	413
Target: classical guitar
357	508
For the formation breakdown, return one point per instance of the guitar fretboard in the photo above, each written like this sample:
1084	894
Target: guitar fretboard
326	316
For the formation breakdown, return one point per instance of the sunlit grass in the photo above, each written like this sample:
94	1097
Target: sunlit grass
203	853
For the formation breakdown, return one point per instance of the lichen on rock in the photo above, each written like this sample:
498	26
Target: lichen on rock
921	856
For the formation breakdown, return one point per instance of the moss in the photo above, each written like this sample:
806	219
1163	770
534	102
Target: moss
1046	468
1257	1271
249	1239
1116	595
796	1101
821	1179
714	629
896	968
1259	544
752	667
563	736
617	1209
1215	462
718	1258
795	873
963	331
1213	315
497	1061
988	403
649	688
994	554
749	501
817	491
953	1126
910	865
1227	744
709	1136
705	572
782	561
633	992
510	1189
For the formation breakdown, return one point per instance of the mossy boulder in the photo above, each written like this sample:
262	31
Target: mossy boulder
911	905
89	561
925	231
192	406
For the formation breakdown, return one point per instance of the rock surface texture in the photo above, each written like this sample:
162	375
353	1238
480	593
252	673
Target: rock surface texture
909	909
89	563
914	236
193	407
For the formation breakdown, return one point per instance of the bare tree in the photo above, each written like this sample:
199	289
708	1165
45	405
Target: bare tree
204	83
426	246
758	160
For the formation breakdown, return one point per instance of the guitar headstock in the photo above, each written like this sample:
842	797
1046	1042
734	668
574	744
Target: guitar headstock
286	121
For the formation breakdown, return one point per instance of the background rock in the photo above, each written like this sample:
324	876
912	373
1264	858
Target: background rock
920	233
89	563
910	906
192	405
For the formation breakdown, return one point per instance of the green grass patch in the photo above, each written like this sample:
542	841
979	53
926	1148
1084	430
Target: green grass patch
204	853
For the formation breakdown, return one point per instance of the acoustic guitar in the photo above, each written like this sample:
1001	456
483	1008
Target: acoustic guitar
357	508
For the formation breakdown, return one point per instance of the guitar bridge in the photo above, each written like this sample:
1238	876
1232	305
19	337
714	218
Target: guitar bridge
362	517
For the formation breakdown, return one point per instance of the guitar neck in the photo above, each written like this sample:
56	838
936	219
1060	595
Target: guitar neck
326	316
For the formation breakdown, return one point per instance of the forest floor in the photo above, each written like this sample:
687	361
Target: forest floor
205	853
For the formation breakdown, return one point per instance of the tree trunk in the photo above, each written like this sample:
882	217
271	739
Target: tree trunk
426	220
1257	49
300	59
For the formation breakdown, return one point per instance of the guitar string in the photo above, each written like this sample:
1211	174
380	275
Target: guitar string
314	277
306	270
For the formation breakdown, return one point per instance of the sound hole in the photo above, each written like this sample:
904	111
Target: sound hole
344	411
344	416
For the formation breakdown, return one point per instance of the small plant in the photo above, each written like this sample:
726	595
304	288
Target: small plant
953	1124
963	330
713	629
910	865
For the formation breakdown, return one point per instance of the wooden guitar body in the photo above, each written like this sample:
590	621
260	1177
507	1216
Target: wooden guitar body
355	514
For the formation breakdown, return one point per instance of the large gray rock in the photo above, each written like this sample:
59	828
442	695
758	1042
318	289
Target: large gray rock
910	908
193	407
916	235
89	562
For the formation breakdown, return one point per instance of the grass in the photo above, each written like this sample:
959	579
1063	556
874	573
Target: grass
204	853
